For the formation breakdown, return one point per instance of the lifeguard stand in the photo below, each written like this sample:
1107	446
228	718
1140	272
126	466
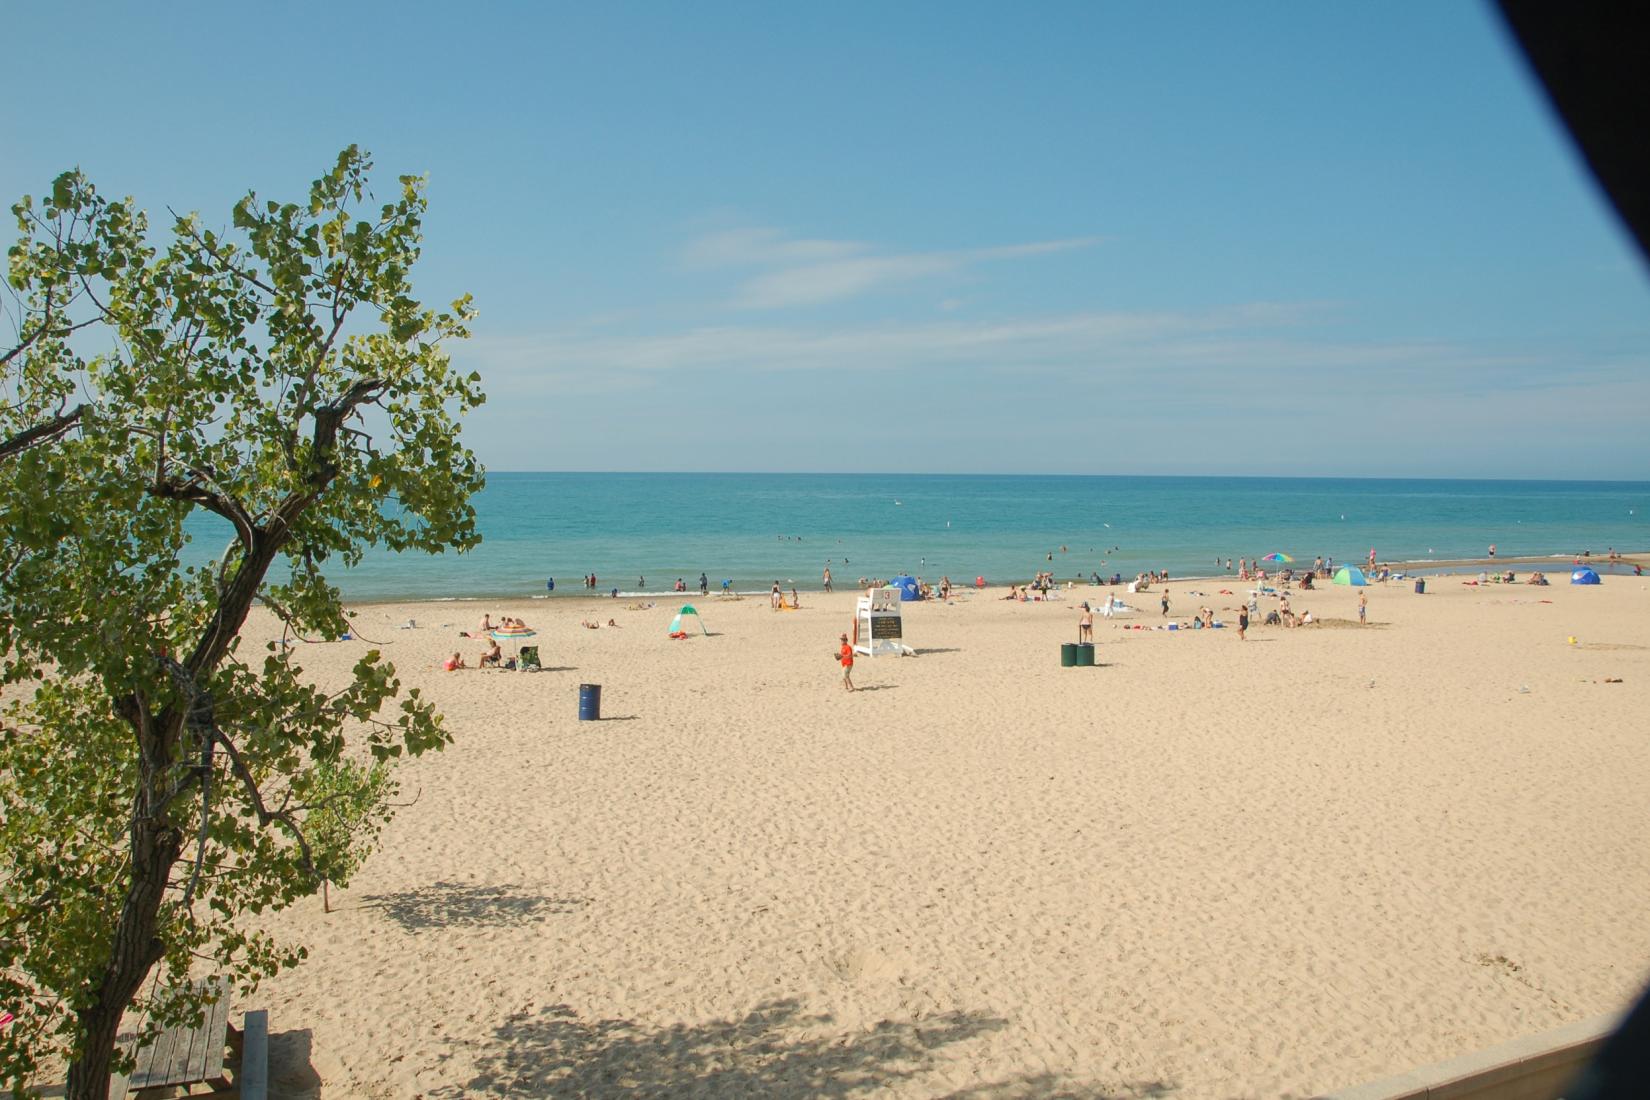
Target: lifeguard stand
878	628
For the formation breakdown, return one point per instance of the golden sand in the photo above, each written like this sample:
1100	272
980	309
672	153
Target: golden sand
1207	868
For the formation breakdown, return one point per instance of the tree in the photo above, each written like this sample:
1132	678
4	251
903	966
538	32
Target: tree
157	781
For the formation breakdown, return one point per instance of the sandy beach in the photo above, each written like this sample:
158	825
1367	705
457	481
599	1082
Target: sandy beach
1207	868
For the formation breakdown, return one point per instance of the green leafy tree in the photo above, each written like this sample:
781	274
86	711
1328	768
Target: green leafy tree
157	781
349	803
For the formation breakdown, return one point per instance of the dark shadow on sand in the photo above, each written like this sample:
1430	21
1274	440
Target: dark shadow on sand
291	1073
938	649
448	904
775	1051
875	687
1052	1086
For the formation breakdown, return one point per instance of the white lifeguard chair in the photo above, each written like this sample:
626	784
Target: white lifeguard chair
878	628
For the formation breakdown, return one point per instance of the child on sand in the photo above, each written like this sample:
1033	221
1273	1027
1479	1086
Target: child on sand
846	657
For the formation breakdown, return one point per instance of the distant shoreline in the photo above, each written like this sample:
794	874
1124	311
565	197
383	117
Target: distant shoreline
1555	563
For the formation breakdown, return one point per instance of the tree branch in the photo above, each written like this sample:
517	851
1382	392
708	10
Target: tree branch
55	428
266	816
194	491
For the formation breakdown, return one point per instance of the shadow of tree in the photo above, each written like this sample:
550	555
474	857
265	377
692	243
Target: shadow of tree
775	1051
1050	1086
444	904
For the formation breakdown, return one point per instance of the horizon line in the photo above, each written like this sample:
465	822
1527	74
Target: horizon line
1163	477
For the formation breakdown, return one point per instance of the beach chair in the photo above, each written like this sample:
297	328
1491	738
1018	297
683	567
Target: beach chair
529	659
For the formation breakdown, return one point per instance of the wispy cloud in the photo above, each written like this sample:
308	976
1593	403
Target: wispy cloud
1252	348
759	246
804	272
1269	387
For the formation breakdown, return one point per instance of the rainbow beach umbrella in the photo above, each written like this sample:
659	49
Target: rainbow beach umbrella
516	634
1276	556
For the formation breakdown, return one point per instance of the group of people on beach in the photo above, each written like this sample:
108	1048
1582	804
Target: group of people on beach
492	656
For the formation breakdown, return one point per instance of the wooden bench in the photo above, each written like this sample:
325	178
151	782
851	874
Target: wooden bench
184	1056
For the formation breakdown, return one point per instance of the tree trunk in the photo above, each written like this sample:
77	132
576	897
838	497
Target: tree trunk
136	948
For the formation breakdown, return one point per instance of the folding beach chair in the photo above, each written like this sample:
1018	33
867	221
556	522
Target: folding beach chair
529	659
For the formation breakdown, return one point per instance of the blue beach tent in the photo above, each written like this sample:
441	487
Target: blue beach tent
1350	574
1584	575
908	589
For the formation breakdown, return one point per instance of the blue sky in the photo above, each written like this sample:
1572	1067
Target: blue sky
958	237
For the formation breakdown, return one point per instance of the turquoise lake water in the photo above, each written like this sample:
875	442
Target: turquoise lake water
756	528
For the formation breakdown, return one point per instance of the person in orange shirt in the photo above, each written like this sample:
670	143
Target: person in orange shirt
846	656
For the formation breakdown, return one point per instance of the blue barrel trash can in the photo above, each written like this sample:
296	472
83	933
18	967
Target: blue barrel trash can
1420	586
590	702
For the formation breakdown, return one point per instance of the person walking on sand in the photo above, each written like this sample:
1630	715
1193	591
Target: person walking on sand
1243	622
1363	608
1085	625
704	584
846	656
1165	603
828	578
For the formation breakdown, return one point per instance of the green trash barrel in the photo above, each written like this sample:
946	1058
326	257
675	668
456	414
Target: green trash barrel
1085	654
1068	654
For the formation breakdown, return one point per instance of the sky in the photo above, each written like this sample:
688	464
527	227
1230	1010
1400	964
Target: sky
1086	238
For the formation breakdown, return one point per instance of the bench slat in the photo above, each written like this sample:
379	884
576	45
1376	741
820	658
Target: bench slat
176	1070
253	1078
183	1055
216	1034
154	1061
189	1050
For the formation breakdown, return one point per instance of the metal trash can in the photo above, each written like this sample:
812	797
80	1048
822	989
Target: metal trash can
1068	654
1085	654
590	702
1420	586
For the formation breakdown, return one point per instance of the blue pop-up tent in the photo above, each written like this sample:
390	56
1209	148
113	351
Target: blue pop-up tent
1350	574
1584	575
908	589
